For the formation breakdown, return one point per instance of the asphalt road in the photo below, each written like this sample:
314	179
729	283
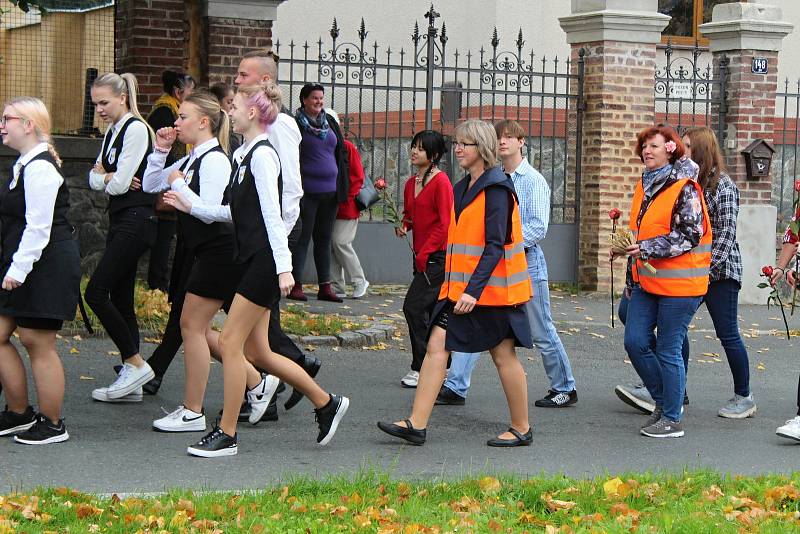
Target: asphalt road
113	449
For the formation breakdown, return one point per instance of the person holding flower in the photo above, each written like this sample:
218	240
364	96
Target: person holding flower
486	285
427	201
672	229
791	238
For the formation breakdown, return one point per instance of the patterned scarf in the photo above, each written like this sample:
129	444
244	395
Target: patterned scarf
653	180
314	125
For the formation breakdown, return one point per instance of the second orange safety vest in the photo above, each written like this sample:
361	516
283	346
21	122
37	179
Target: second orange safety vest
682	276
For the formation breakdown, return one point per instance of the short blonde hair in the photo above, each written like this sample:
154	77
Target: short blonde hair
481	133
32	109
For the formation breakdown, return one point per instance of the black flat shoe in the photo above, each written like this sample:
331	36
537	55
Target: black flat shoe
520	440
152	387
410	434
311	366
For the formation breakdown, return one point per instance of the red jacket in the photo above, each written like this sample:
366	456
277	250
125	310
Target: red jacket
428	216
348	208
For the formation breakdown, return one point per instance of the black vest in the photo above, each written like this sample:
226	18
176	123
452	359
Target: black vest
12	211
131	198
195	232
248	222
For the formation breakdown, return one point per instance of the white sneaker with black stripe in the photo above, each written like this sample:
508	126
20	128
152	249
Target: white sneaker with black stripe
181	420
260	396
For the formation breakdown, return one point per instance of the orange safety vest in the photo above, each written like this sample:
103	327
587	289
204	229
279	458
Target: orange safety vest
682	276
509	283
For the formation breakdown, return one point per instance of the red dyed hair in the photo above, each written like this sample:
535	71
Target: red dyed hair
669	134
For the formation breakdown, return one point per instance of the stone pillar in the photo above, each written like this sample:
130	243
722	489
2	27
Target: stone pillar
149	37
742	32
235	27
619	38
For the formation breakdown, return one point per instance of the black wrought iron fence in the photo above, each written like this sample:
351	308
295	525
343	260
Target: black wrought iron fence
787	139
689	93
384	96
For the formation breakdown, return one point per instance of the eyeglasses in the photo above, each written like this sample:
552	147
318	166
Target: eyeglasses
458	145
5	118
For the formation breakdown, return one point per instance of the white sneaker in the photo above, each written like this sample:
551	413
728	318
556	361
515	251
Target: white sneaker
181	420
790	430
130	379
410	380
101	394
360	289
260	397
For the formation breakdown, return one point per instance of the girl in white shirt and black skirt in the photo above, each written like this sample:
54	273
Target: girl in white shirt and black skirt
41	271
262	248
209	249
131	228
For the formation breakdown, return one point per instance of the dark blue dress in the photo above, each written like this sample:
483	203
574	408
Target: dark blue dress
486	326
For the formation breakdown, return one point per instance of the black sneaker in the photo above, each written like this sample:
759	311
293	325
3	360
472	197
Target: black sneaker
215	443
13	422
270	415
554	399
329	416
448	397
152	387
43	432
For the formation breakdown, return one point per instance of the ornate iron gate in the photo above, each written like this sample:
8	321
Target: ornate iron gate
384	96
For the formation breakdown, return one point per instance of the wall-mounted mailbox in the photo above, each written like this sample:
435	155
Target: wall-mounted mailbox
758	158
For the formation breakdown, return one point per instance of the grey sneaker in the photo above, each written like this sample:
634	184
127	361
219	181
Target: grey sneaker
739	408
637	397
664	428
654	417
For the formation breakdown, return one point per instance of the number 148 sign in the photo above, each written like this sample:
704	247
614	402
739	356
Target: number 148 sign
760	65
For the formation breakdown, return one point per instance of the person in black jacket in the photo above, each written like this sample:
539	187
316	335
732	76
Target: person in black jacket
131	230
41	271
326	182
177	86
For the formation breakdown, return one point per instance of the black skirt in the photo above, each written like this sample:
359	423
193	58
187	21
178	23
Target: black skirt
259	282
51	290
214	274
483	328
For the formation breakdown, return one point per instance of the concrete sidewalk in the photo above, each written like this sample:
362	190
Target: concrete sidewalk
113	448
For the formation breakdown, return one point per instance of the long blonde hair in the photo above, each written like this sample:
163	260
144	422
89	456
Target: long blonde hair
32	109
125	84
209	106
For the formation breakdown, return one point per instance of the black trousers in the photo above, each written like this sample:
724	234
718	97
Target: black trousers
158	268
111	288
317	215
172	340
421	297
279	342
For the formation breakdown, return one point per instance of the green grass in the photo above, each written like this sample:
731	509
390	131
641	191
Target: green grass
152	313
701	502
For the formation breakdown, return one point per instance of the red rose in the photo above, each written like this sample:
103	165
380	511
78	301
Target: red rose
766	270
614	214
797	185
380	184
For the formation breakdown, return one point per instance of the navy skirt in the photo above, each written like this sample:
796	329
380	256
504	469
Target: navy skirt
483	328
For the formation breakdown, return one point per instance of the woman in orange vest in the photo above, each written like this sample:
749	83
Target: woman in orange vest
486	284
668	271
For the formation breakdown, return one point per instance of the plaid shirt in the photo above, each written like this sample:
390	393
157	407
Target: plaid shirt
723	208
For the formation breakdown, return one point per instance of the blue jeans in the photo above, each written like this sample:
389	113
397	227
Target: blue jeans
545	337
722	301
622	313
662	370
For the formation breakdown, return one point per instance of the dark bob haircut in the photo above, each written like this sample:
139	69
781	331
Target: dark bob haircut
308	89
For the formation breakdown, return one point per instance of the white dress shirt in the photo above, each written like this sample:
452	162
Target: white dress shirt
134	148
215	172
265	167
42	181
285	137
